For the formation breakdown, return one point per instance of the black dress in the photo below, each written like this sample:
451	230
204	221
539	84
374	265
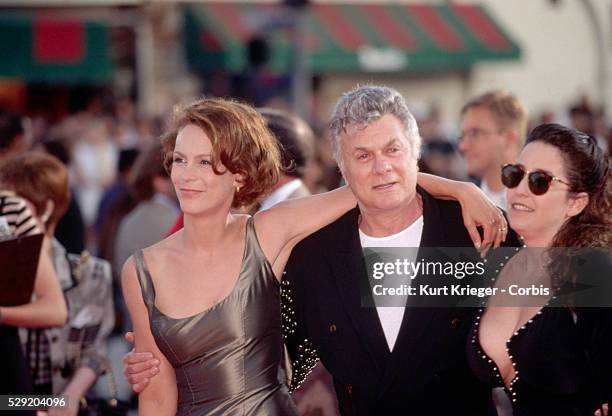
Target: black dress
562	358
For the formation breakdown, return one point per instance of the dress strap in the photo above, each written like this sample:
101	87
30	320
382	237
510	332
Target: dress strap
144	278
252	242
253	247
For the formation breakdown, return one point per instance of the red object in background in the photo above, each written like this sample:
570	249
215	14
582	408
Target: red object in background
59	42
13	95
481	26
177	226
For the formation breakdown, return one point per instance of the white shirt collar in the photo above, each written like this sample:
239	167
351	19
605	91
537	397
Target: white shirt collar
498	198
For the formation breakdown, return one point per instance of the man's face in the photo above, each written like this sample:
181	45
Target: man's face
482	141
378	164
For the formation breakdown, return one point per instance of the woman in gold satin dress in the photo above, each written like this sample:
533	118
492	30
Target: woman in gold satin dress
206	300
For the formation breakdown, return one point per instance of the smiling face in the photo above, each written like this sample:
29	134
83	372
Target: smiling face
198	188
538	217
378	164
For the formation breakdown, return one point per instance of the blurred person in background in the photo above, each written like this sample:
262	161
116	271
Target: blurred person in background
493	129
64	360
14	138
48	307
584	116
297	149
70	230
115	193
125	124
153	215
94	158
439	155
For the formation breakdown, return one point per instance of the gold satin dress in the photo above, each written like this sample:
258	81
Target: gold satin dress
227	358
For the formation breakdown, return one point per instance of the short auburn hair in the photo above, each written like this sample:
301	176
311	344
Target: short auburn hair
37	177
241	142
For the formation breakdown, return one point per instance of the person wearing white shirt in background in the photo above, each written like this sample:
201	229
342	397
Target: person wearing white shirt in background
297	149
493	130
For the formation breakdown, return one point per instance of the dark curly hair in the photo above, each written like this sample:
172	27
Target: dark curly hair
588	170
241	142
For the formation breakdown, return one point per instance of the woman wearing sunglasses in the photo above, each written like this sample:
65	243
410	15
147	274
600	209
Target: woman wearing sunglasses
559	195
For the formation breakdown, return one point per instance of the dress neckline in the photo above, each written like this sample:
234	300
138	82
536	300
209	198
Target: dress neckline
216	305
513	336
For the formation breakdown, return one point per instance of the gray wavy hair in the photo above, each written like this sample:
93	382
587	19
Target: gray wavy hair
365	104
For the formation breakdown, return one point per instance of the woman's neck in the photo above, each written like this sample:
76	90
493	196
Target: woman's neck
204	233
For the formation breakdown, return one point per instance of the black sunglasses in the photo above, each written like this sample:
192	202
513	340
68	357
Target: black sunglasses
538	181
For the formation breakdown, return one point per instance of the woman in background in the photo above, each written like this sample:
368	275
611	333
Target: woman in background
76	348
47	309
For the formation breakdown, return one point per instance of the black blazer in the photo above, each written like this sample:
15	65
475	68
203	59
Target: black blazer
427	372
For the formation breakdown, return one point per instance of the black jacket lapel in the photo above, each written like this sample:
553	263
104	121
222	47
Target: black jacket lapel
416	320
349	270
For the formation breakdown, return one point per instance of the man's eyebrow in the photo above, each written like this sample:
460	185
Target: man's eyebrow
389	143
394	140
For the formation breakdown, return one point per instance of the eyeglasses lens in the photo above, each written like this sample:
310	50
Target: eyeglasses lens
512	175
539	182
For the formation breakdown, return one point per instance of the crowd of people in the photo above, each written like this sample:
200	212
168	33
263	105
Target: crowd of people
234	261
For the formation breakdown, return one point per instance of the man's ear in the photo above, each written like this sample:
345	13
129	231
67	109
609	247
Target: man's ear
577	203
346	182
512	138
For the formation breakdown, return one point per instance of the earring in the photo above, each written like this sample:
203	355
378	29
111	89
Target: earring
237	189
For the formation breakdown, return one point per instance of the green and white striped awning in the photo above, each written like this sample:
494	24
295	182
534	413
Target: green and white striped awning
349	37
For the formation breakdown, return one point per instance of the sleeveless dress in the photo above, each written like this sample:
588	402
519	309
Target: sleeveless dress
227	358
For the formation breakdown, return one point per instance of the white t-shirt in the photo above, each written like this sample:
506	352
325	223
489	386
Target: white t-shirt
280	194
391	316
498	198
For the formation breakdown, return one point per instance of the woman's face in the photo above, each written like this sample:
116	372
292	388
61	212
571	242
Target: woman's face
538	217
198	188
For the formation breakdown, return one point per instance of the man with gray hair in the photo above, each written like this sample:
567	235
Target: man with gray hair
386	359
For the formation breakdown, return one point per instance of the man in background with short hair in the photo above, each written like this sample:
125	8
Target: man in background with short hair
493	130
297	149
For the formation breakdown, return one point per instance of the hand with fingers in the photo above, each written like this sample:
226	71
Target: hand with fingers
139	367
478	211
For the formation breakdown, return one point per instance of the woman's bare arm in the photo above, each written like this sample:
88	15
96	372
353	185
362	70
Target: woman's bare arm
160	397
282	226
476	208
